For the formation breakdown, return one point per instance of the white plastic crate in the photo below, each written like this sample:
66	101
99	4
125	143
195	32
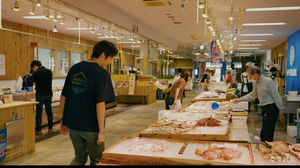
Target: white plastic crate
292	131
239	119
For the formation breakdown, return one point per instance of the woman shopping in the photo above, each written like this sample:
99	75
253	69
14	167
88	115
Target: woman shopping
228	79
246	86
173	101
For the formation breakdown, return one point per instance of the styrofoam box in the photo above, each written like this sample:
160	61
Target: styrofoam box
291	139
242	104
239	119
292	131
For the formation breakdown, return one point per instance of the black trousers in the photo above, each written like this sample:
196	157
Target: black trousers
169	101
270	115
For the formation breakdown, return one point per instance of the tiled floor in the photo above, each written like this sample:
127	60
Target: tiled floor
121	121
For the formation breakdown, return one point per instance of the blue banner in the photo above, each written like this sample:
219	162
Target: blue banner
3	144
215	54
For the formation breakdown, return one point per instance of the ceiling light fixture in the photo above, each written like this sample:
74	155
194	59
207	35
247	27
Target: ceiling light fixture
55	17
54	30
250	45
32	9
38	4
257	34
16	6
201	5
248	48
272	9
47	16
264	24
253	40
63	19
93	30
81	17
204	14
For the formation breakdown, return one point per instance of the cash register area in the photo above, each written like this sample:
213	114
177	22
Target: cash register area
128	120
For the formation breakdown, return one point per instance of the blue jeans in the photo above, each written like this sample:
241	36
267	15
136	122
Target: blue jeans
85	144
47	100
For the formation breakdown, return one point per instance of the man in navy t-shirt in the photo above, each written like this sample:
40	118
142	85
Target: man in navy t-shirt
87	88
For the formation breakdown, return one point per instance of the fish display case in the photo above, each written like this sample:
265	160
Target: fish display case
276	153
157	151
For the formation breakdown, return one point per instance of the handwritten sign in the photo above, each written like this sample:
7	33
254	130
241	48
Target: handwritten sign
7	94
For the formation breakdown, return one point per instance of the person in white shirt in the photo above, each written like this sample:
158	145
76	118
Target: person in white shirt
246	86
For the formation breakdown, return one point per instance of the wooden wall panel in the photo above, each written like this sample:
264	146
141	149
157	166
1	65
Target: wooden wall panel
280	49
16	47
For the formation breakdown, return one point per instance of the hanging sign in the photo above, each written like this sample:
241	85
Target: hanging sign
119	77
158	65
2	64
215	54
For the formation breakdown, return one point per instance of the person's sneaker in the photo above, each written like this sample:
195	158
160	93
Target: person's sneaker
38	133
50	131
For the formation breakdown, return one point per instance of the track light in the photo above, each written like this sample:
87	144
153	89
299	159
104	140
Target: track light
32	9
47	16
99	33
208	21
16	6
63	19
38	4
54	30
201	5
92	31
81	17
204	14
230	18
55	17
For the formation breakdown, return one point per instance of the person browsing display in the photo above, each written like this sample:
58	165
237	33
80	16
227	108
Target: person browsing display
205	80
88	87
269	98
177	89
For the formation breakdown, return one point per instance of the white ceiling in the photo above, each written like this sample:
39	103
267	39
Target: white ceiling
156	18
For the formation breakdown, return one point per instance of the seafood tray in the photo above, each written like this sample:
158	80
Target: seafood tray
186	129
276	153
244	113
156	151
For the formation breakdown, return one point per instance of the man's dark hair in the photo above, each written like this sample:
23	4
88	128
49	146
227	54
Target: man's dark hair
179	70
185	75
35	62
109	49
31	70
273	69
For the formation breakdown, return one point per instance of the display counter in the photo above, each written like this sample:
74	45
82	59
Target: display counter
144	92
23	109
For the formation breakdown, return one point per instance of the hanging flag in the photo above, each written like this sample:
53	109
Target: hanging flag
145	62
215	54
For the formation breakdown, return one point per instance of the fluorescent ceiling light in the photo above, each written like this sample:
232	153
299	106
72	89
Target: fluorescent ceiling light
249	45
247	48
253	40
111	38
244	53
40	17
135	46
257	34
272	9
264	24
76	28
126	42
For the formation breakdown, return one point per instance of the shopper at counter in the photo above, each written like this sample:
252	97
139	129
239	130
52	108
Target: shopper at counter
269	98
176	90
205	80
42	79
228	79
87	88
275	73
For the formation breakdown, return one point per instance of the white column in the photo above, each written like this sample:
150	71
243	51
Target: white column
144	49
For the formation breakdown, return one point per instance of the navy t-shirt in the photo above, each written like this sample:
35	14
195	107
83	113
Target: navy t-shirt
43	81
86	85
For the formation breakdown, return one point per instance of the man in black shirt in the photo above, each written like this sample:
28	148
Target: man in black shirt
42	79
87	89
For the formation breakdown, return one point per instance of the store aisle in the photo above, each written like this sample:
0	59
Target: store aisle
121	121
